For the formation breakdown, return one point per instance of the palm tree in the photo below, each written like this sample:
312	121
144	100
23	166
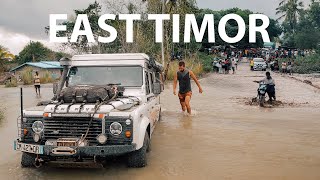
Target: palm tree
4	55
289	10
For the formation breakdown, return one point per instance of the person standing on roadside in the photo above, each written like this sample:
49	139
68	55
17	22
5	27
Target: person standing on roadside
251	64
284	67
184	77
233	64
36	80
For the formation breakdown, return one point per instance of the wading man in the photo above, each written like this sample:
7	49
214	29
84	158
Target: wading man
185	92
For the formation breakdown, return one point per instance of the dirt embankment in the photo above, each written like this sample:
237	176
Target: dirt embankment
310	79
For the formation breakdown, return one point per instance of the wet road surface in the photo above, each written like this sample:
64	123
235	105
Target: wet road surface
224	139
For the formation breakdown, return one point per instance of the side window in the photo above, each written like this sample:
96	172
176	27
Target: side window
151	81
147	83
157	77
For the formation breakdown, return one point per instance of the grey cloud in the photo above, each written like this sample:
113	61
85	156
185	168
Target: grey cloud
29	17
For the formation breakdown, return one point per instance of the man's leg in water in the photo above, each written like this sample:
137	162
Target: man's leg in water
187	102
183	106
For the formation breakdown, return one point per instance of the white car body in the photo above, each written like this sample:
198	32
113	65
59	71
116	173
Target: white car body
145	106
259	64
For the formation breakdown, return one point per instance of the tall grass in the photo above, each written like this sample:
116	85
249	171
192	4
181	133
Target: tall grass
12	83
194	64
46	78
27	77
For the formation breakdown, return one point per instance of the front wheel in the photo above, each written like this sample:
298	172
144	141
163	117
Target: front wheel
27	160
138	158
261	100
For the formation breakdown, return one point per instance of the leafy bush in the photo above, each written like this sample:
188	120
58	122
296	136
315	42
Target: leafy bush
305	65
27	77
206	61
13	82
46	78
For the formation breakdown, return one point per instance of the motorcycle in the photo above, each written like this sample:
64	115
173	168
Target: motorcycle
262	90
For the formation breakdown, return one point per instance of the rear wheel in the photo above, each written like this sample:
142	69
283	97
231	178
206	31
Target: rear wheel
27	159
138	158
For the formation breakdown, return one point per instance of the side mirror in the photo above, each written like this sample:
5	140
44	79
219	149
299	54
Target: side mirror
157	88
55	88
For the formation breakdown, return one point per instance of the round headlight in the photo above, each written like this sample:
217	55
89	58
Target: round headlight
102	138
37	127
115	129
36	137
128	122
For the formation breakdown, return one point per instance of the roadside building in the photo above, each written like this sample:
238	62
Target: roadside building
42	67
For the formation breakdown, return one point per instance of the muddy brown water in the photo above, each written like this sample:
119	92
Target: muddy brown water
224	139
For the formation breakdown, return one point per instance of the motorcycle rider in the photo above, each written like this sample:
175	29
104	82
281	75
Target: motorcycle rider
270	86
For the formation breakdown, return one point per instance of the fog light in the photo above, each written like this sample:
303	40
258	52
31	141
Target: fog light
36	137
102	138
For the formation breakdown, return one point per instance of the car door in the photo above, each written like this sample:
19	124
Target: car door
153	102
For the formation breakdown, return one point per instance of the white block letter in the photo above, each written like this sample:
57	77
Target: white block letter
262	29
176	28
159	18
241	28
129	20
102	24
208	20
82	19
54	28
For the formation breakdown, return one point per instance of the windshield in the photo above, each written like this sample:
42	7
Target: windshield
126	76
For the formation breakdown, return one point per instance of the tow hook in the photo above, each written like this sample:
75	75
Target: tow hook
38	162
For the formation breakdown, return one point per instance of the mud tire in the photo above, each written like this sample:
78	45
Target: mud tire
138	159
160	116
27	160
261	100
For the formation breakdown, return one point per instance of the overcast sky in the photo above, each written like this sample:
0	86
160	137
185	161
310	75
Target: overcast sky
24	20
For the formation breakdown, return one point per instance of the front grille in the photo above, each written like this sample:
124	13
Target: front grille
121	139
66	127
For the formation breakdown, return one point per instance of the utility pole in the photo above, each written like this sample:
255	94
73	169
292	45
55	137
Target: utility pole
162	44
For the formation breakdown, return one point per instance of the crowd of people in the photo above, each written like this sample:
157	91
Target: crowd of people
280	60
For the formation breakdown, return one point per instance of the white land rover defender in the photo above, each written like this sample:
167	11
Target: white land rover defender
104	105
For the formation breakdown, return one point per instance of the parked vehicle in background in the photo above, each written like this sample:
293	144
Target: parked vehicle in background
259	64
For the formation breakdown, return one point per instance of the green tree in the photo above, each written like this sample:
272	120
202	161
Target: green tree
36	51
289	10
314	13
5	55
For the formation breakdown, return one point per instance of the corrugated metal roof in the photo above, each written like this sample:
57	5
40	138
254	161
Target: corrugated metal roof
41	64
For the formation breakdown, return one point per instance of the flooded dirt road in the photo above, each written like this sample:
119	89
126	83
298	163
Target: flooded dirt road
225	139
